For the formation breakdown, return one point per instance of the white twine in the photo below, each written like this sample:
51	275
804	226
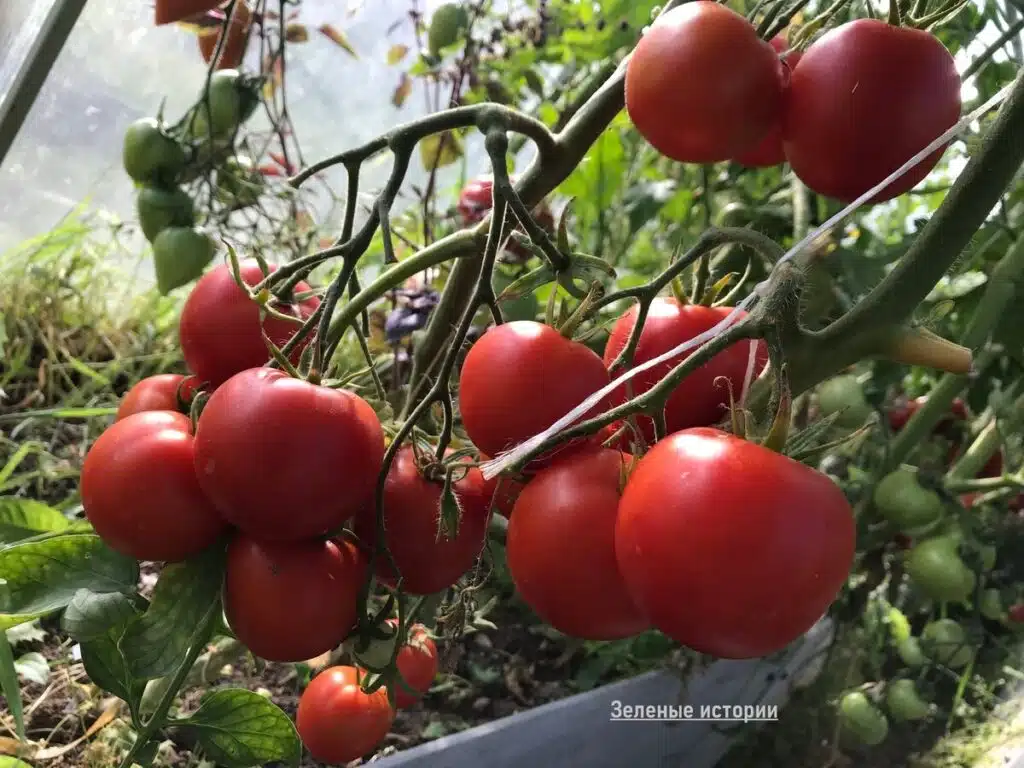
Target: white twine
504	461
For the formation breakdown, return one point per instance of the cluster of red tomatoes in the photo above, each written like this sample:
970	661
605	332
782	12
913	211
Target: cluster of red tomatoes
851	109
722	544
279	466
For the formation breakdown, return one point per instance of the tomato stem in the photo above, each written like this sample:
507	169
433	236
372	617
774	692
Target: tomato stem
919	346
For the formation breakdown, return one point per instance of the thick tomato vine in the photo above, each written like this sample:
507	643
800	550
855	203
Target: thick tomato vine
728	547
561	547
337	720
284	459
140	492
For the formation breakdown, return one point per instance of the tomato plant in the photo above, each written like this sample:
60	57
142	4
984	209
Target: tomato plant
946	641
221	331
935	567
149	154
729	109
275	493
904	502
864	99
702	398
180	254
561	547
157	393
734	565
140	491
161	208
904	702
416	664
428	558
337	720
863	719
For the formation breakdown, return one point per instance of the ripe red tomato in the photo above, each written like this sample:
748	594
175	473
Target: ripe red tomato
901	412
1016	613
417	664
519	378
233	51
730	548
769	151
701	86
865	98
561	547
170	11
156	393
140	492
502	491
412	505
338	721
292	601
702	398
475	200
220	326
284	459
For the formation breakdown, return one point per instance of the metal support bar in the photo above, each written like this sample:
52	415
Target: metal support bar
46	45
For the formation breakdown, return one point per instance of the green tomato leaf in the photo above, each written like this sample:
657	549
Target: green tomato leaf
21	518
42	576
155	642
240	729
12	762
107	667
33	667
440	149
91	614
10	688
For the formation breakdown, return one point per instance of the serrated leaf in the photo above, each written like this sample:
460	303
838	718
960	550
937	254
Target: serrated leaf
440	149
21	518
43	576
154	643
29	632
241	729
396	53
91	614
402	90
10	688
107	667
33	667
339	38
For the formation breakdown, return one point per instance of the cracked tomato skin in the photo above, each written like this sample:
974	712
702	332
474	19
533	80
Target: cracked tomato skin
702	398
220	326
284	459
730	548
561	547
865	98
518	379
412	506
337	721
140	492
292	601
156	393
701	86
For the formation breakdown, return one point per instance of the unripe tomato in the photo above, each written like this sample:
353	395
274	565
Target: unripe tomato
156	393
904	502
561	547
233	50
447	24
862	719
864	99
284	459
701	86
730	548
946	642
160	208
910	652
769	151
991	605
338	721
222	107
935	567
180	254
292	601
417	664
518	379
904	702
220	326
426	561
140	492
149	154
844	396
702	398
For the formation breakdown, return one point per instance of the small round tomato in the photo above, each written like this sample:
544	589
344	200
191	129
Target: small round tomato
702	398
447	25
338	721
292	601
140	492
417	665
157	393
520	378
862	719
728	547
701	86
865	98
233	50
475	200
223	106
561	547
284	459
220	325
936	568
769	151
904	502
180	255
149	154
426	561
904	702
910	653
1015	613
946	641
844	396
160	208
